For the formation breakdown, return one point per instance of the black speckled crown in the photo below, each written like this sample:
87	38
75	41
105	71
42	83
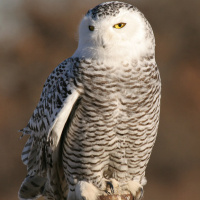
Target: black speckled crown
108	9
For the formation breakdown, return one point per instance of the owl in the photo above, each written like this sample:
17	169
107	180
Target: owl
94	128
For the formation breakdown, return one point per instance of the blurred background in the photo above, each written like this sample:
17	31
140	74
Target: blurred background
35	36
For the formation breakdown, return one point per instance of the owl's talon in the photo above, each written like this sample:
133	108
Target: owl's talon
139	194
136	189
109	188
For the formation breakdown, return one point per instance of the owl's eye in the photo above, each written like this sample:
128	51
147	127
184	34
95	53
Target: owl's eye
119	25
91	28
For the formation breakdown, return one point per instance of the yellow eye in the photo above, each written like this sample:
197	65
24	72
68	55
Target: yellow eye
91	28
119	25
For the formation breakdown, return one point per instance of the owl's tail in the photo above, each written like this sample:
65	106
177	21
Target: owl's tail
32	187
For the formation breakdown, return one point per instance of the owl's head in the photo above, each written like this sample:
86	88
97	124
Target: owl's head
115	31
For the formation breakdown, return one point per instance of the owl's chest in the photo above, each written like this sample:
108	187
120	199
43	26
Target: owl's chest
108	84
112	102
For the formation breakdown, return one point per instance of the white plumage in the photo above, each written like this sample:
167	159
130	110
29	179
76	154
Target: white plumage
96	123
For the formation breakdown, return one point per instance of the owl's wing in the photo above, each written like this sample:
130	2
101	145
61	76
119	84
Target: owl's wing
45	127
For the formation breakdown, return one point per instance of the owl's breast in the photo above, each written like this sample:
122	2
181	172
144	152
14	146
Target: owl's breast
119	91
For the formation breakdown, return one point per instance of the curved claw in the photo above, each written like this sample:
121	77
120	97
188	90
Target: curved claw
109	188
139	194
136	189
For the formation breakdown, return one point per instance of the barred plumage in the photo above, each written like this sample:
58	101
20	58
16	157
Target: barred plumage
98	115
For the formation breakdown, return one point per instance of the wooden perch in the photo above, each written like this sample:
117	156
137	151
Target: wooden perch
116	197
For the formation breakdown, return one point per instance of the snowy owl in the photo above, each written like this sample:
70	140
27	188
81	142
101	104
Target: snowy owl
95	125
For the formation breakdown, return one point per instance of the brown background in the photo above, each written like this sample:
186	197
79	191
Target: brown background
35	36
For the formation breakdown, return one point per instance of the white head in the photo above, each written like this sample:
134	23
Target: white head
115	31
